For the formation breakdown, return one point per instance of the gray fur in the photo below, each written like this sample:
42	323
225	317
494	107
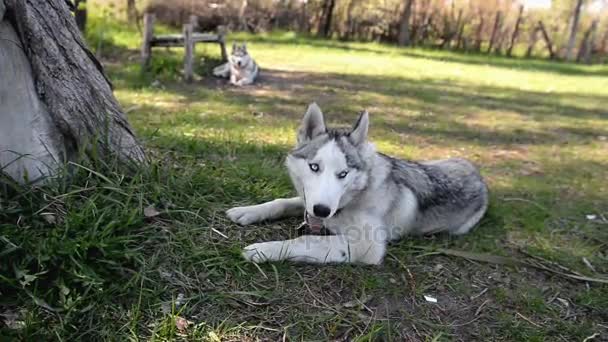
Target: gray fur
448	191
372	198
241	69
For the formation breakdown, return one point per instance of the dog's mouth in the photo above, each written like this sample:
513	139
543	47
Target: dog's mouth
316	223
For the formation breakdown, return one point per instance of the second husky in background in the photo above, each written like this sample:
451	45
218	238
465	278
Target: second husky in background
241	68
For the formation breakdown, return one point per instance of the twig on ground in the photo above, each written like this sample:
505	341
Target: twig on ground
479	294
314	296
592	337
516	199
528	320
588	264
500	260
478	311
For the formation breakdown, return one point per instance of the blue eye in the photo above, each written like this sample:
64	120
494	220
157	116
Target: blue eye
314	167
342	174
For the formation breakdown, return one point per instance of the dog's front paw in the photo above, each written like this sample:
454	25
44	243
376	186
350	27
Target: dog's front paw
265	251
245	215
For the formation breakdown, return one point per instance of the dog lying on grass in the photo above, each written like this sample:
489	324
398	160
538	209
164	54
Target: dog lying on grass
363	197
241	69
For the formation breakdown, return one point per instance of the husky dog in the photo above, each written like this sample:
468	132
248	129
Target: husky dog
241	68
364	197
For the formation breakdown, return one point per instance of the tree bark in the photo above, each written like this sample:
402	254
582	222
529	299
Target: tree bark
131	11
80	14
304	23
532	43
324	28
404	26
349	32
495	30
460	39
242	18
586	48
71	82
516	30
573	30
604	41
30	144
541	26
479	33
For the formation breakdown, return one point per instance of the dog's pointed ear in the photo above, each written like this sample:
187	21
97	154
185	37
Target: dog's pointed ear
233	47
359	133
244	47
313	124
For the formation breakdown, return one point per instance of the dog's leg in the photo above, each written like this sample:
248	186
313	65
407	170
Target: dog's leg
318	249
245	81
272	210
222	70
233	79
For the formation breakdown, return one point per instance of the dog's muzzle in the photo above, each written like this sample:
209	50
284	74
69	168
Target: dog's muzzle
314	223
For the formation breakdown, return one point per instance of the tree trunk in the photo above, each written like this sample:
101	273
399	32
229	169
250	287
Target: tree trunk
404	26
242	18
533	40
327	11
479	34
304	23
541	26
30	144
69	81
131	12
349	20
586	48
80	15
573	30
495	30
515	31
460	39
604	42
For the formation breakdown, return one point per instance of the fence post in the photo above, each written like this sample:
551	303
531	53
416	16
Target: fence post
146	46
188	53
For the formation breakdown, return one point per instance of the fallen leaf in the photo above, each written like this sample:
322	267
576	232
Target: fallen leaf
179	301
151	211
354	303
12	321
182	324
588	264
49	218
430	299
563	301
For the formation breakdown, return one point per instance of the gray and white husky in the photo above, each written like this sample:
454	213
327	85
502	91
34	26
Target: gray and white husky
241	68
363	197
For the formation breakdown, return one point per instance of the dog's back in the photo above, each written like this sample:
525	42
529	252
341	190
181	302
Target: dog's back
450	193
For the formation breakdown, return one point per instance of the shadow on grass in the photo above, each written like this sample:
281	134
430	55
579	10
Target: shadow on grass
432	110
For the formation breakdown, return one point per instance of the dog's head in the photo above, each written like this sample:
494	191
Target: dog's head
239	56
330	167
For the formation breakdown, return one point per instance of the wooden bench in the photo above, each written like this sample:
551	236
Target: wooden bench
187	40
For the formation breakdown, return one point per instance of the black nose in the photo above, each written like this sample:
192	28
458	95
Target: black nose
320	210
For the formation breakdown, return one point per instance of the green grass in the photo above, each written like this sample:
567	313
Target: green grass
81	261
